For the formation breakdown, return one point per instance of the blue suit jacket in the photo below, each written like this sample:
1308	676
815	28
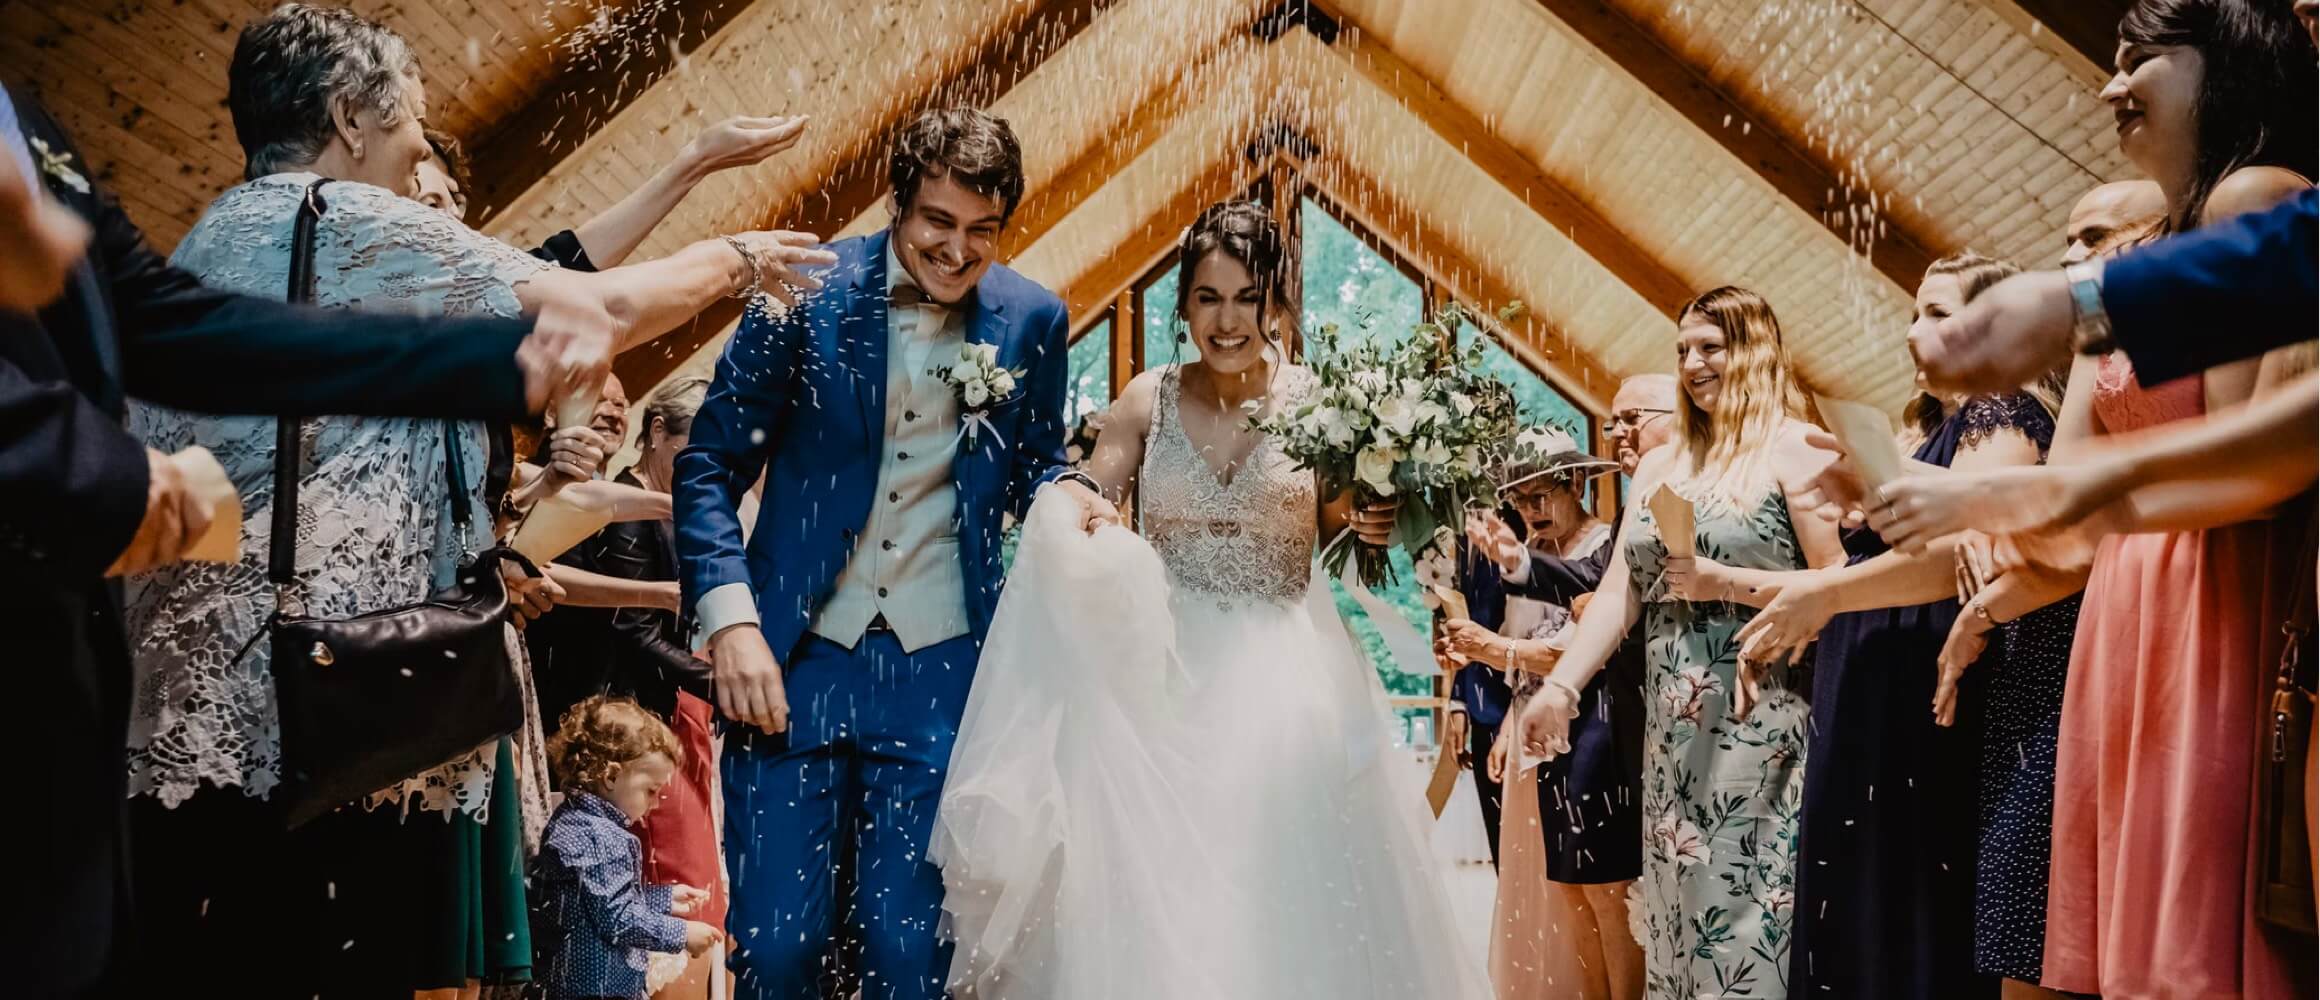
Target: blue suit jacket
803	398
2259	269
1483	689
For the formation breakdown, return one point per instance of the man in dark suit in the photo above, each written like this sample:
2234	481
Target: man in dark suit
81	501
1479	693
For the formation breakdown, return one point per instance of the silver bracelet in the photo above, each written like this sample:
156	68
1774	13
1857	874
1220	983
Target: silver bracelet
756	277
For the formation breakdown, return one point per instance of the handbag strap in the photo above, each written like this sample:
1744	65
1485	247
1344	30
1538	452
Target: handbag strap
282	548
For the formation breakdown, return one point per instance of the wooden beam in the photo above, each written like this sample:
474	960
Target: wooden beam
2089	28
1515	171
995	67
2033	18
1530	337
1809	182
640	46
1053	202
1152	242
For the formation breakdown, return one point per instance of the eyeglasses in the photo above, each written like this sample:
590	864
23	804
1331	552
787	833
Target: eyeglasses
1635	418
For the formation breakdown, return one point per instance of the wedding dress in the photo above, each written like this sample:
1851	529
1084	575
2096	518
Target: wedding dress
1173	779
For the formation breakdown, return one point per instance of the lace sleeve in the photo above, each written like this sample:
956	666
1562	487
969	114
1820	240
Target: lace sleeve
2019	412
392	253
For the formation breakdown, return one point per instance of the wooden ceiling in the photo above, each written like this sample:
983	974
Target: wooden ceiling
1599	160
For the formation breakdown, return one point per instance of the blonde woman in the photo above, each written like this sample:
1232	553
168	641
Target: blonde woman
1723	767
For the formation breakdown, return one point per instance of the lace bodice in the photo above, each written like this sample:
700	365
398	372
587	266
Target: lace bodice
2126	404
374	529
1249	537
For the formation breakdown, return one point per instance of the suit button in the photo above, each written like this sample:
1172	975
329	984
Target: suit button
910	414
888	545
902	456
881	591
894	497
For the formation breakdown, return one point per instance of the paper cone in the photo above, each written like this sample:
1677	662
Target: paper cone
1444	780
1453	602
1678	522
206	480
1867	437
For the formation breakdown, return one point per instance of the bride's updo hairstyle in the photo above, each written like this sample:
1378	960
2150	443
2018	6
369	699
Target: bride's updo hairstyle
1243	231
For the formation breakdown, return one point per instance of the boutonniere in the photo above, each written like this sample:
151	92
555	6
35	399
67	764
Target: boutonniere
59	166
981	384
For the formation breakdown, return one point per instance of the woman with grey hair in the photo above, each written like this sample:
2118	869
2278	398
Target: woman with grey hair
419	887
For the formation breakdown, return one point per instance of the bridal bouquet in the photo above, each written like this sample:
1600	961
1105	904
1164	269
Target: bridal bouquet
1413	420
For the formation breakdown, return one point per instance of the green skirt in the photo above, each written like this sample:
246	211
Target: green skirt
485	930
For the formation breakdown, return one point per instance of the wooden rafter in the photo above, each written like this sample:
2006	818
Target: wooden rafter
2088	28
994	68
2035	19
1102	161
1514	171
1809	182
517	153
1532	338
1088	295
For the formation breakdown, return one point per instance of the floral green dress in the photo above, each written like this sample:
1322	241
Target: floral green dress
1715	905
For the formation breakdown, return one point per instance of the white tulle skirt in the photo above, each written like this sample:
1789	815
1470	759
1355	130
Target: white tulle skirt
1163	795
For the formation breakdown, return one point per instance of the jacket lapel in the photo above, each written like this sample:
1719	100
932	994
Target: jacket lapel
86	286
867	340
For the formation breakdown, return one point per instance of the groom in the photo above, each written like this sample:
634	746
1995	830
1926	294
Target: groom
845	631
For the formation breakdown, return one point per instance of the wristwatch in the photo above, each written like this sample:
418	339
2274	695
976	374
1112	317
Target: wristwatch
2090	325
1083	479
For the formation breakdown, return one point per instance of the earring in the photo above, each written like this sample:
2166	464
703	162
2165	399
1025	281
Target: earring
358	149
1182	337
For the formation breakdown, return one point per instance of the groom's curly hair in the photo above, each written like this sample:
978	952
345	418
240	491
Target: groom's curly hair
976	148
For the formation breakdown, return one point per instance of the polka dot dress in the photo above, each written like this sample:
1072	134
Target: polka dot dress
2026	663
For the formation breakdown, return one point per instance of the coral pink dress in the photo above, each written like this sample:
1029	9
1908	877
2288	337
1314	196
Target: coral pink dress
2150	889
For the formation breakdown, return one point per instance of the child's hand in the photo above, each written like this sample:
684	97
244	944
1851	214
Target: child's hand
699	936
684	900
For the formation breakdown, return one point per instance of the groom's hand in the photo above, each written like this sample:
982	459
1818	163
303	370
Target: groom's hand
1097	510
748	679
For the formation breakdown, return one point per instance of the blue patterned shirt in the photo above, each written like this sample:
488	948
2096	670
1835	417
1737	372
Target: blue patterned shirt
593	918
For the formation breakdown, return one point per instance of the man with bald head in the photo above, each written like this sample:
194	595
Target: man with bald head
1643	417
2109	212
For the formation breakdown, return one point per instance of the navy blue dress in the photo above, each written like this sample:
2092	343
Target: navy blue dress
1886	863
1590	809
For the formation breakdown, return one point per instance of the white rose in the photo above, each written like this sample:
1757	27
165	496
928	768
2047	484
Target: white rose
1003	383
1371	383
1330	425
1398	416
1463	403
975	393
1432	414
1375	466
1431	452
1353	398
987	353
964	372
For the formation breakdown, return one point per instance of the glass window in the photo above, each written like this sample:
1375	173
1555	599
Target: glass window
1161	346
1089	385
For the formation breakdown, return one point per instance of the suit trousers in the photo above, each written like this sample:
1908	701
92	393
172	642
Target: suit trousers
826	825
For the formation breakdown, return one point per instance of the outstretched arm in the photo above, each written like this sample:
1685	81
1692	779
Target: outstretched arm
736	142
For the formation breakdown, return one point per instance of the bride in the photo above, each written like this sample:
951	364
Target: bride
1173	778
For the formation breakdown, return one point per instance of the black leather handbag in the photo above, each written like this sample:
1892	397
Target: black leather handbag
370	700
